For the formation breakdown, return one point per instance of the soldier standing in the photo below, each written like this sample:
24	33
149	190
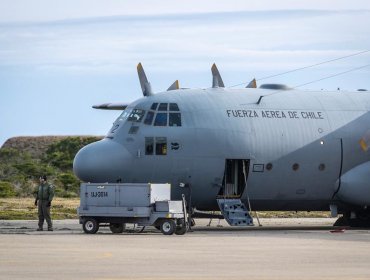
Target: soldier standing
44	195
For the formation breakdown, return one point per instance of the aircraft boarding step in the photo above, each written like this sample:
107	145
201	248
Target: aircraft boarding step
235	212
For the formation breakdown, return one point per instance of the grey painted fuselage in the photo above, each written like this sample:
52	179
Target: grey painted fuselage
298	144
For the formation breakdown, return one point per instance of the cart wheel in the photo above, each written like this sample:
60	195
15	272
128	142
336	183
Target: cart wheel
90	226
117	228
168	227
181	227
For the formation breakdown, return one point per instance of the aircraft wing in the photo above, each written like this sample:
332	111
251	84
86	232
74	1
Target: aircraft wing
111	106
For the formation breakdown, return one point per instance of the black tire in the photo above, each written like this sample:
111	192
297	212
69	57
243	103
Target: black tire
117	228
90	226
168	227
180	227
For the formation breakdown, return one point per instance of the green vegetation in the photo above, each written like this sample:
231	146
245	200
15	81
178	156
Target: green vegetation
61	154
66	208
20	167
6	190
24	208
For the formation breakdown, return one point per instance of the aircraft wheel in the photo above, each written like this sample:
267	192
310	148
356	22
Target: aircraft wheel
117	228
168	227
90	226
362	219
181	227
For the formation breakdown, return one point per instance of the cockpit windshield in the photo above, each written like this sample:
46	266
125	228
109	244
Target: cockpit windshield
160	114
164	114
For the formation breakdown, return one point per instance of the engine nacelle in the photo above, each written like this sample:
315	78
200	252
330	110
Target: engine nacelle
355	185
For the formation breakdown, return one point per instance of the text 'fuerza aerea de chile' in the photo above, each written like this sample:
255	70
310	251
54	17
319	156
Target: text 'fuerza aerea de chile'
275	114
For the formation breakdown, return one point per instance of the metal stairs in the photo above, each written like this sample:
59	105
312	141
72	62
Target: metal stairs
235	212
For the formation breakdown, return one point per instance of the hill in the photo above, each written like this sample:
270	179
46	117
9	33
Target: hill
24	159
35	146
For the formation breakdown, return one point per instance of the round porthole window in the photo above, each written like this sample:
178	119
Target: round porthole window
295	166
322	167
269	166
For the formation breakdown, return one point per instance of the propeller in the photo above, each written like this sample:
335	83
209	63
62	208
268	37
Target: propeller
252	84
217	80
111	106
144	83
174	86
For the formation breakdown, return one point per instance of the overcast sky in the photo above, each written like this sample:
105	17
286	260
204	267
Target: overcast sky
57	58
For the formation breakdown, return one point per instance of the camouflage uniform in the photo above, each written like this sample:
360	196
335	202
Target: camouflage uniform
44	195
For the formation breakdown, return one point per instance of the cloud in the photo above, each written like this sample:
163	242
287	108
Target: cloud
45	10
111	45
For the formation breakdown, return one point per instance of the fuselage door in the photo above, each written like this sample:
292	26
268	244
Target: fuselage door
235	178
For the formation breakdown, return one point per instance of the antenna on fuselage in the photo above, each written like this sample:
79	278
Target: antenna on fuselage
144	83
260	99
217	80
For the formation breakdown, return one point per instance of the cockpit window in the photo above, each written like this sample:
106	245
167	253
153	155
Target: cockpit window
175	119
149	118
124	115
161	146
154	106
133	130
161	112
174	107
160	119
163	107
137	115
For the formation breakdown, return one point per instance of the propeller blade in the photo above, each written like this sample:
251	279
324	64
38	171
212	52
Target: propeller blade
252	84
174	86
111	106
144	83
217	80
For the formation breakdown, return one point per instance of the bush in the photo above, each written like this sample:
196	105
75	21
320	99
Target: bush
28	169
69	182
8	153
33	169
62	153
66	194
6	189
20	170
25	187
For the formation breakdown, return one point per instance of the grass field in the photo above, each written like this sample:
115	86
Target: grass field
66	208
24	208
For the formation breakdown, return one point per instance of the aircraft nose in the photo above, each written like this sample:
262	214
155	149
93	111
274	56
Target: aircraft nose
100	162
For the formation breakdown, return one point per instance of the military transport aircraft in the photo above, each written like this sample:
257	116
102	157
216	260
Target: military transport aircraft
267	148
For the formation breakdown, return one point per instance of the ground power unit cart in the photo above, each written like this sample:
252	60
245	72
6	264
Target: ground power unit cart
119	204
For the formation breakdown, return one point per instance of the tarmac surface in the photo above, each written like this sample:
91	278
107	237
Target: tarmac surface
294	248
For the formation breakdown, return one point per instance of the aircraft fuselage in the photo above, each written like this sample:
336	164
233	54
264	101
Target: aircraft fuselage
291	149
